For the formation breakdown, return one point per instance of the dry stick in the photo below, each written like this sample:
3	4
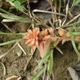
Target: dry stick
39	21
30	14
4	69
67	7
37	68
44	74
52	76
7	20
72	20
1	56
7	27
49	12
52	10
21	48
32	53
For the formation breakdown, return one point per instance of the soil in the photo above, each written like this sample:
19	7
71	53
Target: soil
62	62
15	64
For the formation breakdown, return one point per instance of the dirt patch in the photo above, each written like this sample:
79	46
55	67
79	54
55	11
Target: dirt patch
15	65
62	62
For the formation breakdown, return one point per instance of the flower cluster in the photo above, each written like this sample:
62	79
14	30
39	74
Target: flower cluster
42	39
39	39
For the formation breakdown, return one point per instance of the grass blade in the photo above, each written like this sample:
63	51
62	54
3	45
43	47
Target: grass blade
73	43
2	33
16	18
18	5
45	57
35	77
11	16
50	66
9	42
75	2
76	33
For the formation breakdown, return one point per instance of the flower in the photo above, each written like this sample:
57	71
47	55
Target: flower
40	40
32	38
44	44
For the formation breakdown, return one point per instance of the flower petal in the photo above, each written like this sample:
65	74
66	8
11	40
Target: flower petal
28	41
32	42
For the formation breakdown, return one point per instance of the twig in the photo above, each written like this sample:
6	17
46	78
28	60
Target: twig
44	74
3	55
67	8
21	48
72	20
52	76
4	69
49	12
7	27
32	53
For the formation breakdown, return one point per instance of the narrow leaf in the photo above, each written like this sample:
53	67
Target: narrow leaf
35	77
3	33
18	5
9	42
76	33
45	57
73	43
75	2
51	62
16	18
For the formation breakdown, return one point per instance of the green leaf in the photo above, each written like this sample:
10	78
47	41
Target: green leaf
35	77
9	42
75	2
15	18
73	43
18	6
45	57
2	33
22	1
50	65
10	0
76	33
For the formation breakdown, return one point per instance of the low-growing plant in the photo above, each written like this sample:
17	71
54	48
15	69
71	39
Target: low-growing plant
45	39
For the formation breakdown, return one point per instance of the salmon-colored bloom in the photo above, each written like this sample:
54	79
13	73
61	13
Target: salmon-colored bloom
40	40
32	38
44	44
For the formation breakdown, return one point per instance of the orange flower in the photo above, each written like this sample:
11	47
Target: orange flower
32	38
44	44
40	40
